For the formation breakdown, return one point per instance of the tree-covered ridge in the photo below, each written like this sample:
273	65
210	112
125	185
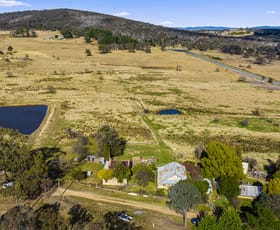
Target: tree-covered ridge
263	45
62	18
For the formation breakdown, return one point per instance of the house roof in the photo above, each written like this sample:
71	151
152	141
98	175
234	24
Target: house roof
250	190
171	173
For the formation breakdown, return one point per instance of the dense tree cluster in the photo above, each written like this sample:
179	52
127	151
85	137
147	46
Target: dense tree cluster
24	217
22	32
31	171
110	144
229	220
46	217
221	160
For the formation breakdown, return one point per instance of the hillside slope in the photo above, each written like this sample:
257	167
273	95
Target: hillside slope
61	18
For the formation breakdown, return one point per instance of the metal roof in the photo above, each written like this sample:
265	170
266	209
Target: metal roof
250	190
171	173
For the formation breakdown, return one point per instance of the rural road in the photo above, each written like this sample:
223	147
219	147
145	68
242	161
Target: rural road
112	200
228	67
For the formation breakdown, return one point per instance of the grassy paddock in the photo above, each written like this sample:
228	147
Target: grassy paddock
102	89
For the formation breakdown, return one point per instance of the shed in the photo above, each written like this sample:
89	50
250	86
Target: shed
250	191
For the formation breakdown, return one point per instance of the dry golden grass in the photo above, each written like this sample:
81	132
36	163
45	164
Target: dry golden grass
115	88
267	70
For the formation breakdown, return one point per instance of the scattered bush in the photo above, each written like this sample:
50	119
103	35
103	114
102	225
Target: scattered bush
260	60
51	89
148	50
78	174
242	79
160	192
245	122
216	120
88	52
10	49
270	80
256	112
10	74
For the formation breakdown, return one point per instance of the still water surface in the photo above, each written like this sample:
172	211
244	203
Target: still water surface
26	119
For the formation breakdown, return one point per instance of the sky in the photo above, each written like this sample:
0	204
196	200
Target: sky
172	13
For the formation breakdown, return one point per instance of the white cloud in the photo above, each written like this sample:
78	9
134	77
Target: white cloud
270	12
11	3
167	23
121	14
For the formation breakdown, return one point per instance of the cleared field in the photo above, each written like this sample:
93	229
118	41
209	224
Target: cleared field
117	89
268	70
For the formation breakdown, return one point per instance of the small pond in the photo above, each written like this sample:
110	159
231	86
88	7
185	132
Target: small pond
170	112
26	119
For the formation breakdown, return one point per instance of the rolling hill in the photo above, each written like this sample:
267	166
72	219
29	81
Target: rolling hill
61	18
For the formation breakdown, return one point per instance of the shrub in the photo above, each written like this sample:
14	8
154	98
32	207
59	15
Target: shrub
10	74
10	49
160	192
88	52
256	112
105	174
270	80
245	122
260	60
242	79
51	89
228	186
148	50
78	174
216	120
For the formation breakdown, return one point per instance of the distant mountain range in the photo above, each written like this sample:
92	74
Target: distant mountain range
214	28
218	28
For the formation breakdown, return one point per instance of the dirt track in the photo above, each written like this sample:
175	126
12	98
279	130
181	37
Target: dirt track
134	204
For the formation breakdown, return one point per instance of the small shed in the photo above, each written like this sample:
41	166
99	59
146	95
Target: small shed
245	166
250	191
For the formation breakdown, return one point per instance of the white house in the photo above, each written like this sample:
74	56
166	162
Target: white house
170	174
